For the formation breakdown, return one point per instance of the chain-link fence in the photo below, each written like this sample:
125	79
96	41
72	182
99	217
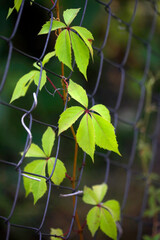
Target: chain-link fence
124	77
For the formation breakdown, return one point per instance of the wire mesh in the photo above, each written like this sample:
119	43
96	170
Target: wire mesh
113	82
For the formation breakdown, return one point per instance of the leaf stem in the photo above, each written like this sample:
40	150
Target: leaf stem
80	230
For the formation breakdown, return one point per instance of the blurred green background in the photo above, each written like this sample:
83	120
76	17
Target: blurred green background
13	135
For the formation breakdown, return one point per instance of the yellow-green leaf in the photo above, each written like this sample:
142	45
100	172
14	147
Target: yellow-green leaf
37	188
81	53
22	85
55	25
86	136
78	93
57	232
114	208
100	191
63	48
68	118
47	57
35	151
93	220
104	134
89	196
69	15
59	172
48	141
43	78
86	36
102	110
107	224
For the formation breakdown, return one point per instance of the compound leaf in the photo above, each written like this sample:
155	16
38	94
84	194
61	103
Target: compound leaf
57	232
81	53
100	191
102	110
35	151
55	25
43	78
114	208
86	136
22	85
63	48
47	57
89	196
59	172
48	141
104	134
78	93
68	117
37	188
107	224
69	15
93	220
86	36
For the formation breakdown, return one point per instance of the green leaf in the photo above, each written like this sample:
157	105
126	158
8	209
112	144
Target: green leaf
56	232
69	15
81	53
107	224
104	134
10	10
17	4
43	78
114	208
86	136
78	93
89	196
68	117
59	172
22	86
55	25
37	188
102	110
100	191
48	141
35	151
47	57
86	36
63	48
93	220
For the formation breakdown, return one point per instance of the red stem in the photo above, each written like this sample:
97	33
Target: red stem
54	87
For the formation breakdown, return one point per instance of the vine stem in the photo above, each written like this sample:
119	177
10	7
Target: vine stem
80	231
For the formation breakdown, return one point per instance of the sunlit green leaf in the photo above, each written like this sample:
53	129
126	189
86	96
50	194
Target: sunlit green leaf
37	188
86	136
68	117
104	134
22	85
89	196
86	36
63	48
93	220
81	53
59	172
78	93
114	208
10	10
47	57
35	151
107	224
57	232
17	4
102	110
69	15
43	78
55	25
100	191
48	141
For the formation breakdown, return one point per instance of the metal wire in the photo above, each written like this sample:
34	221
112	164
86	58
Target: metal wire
104	60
